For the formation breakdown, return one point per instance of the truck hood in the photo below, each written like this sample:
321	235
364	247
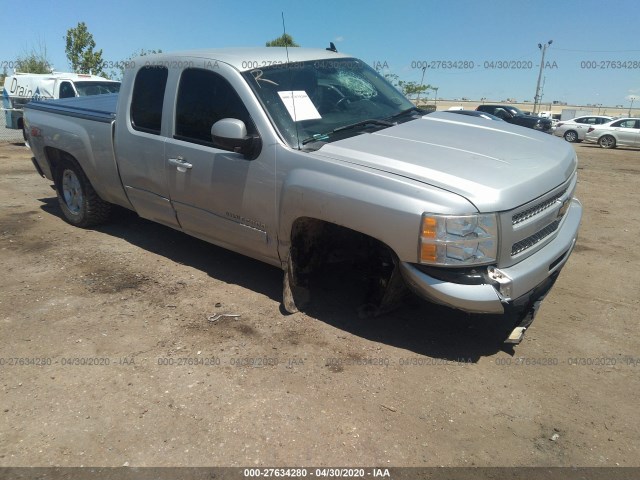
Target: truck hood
494	165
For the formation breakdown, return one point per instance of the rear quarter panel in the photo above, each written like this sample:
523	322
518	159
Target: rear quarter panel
89	142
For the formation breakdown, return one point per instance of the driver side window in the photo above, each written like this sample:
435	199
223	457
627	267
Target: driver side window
66	90
204	97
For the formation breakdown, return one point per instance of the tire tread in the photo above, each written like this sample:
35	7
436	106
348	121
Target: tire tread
96	210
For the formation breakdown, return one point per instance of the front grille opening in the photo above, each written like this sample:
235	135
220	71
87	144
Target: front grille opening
536	209
537	237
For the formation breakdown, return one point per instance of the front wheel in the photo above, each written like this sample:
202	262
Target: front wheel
80	204
607	141
571	136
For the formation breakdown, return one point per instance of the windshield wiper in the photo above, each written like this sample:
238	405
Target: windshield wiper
319	137
371	121
408	110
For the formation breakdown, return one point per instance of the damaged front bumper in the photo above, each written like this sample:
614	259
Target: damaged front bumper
496	291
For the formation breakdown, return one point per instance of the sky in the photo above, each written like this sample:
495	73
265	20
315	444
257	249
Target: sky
472	49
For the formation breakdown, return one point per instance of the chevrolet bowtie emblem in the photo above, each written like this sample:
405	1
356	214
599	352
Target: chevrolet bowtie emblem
564	208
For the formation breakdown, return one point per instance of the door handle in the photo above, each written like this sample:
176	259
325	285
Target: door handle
181	163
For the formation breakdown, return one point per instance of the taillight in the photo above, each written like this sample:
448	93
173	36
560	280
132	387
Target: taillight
591	129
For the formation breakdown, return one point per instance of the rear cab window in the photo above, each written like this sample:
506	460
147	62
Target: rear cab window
148	97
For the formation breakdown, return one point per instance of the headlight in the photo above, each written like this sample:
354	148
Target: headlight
458	239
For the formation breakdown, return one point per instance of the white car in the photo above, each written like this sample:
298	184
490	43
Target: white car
623	132
574	130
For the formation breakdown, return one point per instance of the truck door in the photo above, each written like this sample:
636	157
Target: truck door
140	147
219	195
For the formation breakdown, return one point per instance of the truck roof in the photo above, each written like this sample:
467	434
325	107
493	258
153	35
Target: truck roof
246	58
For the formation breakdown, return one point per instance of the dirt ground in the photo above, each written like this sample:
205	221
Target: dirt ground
108	358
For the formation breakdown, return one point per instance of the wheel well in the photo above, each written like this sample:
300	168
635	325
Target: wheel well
338	257
54	156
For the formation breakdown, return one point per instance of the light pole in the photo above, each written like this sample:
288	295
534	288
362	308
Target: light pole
632	98
435	99
424	69
536	99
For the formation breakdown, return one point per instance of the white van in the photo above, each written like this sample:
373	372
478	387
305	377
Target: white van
21	88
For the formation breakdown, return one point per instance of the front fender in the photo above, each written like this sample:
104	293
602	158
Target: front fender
383	206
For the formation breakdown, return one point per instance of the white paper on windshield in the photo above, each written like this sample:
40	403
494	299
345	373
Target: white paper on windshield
299	105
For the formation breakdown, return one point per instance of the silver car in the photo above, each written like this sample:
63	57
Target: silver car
623	132
574	130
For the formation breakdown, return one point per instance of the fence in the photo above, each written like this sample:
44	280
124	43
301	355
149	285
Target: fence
8	135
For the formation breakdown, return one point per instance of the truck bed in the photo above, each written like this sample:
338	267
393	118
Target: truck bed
100	108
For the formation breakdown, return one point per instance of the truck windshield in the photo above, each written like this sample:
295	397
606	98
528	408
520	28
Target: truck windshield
96	88
313	101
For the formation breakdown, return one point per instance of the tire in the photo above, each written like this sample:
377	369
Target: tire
607	141
80	204
571	136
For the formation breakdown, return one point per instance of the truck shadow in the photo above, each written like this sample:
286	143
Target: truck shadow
418	326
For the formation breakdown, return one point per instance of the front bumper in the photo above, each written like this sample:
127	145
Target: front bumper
526	276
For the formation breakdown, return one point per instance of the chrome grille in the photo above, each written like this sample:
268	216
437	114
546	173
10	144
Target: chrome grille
529	242
536	209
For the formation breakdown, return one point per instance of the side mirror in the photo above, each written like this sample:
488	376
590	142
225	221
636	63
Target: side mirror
231	134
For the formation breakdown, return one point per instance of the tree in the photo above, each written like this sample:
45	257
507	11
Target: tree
34	61
408	89
392	78
284	40
412	88
80	51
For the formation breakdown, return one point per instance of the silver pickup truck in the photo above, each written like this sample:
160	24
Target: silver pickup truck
287	156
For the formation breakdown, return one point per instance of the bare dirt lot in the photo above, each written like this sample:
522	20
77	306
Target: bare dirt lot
108	357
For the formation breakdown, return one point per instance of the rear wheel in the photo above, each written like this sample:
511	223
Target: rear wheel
607	141
80	204
571	136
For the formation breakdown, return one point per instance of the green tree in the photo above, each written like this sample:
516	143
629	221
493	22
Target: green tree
392	78
80	51
410	89
34	61
284	40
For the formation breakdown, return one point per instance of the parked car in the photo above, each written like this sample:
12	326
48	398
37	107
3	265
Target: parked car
623	132
475	113
516	116
574	130
292	157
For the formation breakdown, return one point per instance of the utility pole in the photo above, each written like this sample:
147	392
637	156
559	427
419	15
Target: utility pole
536	99
424	69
